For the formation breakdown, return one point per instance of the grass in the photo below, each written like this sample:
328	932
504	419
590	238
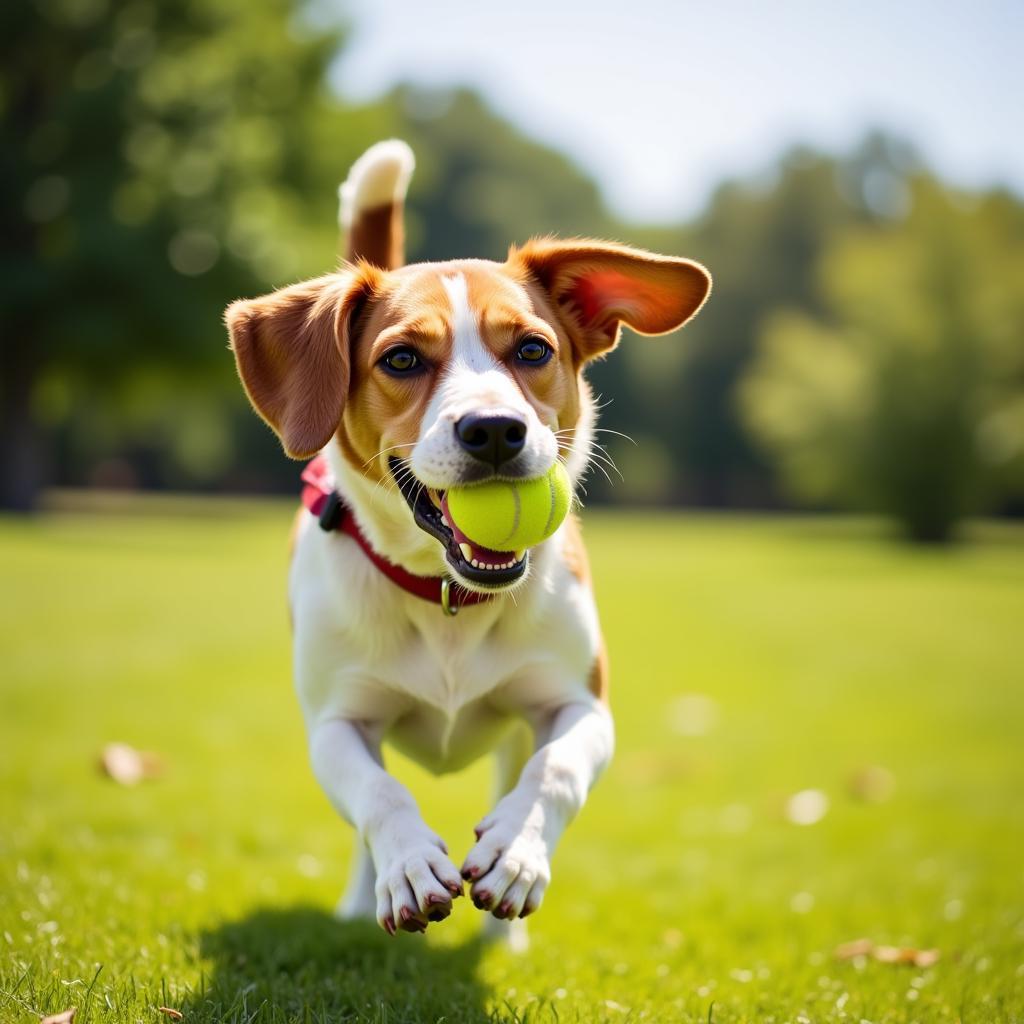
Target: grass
681	894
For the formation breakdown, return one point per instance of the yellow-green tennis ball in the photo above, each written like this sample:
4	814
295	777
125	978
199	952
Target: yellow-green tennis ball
510	515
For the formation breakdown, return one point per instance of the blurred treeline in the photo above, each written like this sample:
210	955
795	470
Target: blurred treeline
863	347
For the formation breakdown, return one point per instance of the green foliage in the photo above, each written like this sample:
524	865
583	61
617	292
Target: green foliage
157	160
160	159
810	649
907	396
763	240
481	185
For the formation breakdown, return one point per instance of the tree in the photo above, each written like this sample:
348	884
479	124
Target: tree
157	161
906	396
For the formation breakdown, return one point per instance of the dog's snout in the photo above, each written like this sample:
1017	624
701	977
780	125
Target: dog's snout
491	439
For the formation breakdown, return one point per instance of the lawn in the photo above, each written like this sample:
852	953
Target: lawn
752	659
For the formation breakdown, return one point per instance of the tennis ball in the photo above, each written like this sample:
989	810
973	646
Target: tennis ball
510	515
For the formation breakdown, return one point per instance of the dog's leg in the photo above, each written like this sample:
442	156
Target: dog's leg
360	898
415	880
510	758
510	864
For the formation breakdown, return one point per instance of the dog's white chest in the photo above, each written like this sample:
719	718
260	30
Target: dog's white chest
440	689
448	679
430	695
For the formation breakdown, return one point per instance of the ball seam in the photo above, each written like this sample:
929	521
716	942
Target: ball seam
551	503
517	503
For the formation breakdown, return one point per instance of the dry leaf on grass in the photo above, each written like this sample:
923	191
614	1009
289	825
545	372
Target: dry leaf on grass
127	766
167	1011
871	784
887	954
65	1017
858	947
906	955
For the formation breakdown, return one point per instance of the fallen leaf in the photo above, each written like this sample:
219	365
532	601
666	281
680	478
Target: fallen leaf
894	954
127	766
65	1017
871	784
887	954
858	947
167	1011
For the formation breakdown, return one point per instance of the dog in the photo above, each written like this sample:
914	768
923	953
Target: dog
404	381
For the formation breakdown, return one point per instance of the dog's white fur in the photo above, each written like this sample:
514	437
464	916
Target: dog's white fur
374	663
474	382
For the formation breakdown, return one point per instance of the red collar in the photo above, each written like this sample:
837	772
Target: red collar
320	497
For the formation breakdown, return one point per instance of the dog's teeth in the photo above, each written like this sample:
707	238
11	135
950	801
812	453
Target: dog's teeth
474	563
520	555
467	552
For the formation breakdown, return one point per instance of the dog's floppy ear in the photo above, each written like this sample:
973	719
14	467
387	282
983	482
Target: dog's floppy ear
292	352
598	286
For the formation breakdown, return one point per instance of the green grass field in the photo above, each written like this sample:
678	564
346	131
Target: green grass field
682	893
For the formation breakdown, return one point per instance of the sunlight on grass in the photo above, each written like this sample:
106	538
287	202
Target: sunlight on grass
753	661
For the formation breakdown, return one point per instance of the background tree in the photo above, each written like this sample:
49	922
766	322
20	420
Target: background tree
907	395
161	159
158	158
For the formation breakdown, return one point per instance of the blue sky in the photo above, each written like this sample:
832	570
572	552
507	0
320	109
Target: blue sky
660	100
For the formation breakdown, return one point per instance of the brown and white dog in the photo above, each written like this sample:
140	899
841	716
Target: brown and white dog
411	380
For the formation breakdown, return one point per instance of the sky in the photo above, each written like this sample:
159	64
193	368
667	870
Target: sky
660	100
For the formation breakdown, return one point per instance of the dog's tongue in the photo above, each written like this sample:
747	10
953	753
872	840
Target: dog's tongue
472	551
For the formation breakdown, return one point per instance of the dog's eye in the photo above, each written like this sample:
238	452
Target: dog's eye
402	361
533	350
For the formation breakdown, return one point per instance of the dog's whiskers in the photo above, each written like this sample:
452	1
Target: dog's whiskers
599	455
391	481
617	433
390	448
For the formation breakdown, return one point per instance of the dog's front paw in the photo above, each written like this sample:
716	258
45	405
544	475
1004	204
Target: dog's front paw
509	866
416	883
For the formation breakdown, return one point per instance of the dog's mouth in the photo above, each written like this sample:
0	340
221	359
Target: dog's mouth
480	565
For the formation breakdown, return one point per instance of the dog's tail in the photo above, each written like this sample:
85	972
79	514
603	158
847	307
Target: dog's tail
372	200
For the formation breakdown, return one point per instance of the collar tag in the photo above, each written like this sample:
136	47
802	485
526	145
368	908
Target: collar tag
450	610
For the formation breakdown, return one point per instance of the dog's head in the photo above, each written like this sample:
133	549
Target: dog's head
434	376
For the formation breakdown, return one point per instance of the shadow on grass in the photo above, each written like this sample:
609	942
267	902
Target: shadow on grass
301	964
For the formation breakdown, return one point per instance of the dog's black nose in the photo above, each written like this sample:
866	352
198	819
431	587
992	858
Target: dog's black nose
491	439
